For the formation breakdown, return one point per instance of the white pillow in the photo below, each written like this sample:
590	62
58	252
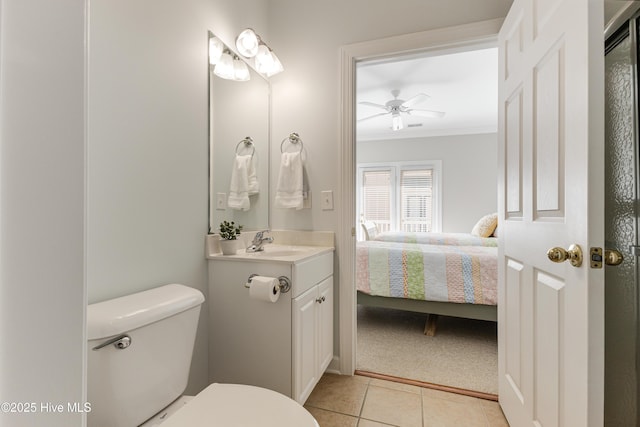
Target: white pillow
485	225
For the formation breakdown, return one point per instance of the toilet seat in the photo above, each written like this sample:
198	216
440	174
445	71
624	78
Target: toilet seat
235	405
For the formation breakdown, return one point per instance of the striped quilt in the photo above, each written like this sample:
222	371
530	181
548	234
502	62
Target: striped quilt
451	239
460	274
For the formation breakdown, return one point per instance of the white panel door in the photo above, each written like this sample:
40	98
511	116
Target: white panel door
550	315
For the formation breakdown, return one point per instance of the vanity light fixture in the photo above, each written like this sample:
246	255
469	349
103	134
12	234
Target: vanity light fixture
240	70
250	45
224	67
247	43
267	62
216	48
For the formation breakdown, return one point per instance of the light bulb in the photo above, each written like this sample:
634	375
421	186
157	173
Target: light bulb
247	43
224	67
215	50
396	123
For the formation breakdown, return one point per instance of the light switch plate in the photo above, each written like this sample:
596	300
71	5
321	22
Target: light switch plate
327	200
221	201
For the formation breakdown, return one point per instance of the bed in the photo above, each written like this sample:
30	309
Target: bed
448	239
451	274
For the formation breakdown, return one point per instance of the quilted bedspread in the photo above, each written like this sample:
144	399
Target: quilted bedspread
460	274
450	239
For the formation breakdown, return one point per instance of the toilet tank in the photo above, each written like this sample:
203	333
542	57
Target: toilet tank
139	353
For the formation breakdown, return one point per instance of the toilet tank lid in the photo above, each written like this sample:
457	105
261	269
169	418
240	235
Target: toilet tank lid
123	314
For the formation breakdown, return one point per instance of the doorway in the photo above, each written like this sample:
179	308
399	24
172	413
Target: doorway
426	164
464	37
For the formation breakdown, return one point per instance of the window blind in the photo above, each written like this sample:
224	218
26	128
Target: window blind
376	197
416	200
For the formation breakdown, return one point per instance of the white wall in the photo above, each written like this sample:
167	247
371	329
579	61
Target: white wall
469	172
307	36
146	179
42	199
148	145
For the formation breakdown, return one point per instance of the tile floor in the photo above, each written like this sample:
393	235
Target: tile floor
357	401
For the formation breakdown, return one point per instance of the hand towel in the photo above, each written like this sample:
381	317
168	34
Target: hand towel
239	188
289	189
252	173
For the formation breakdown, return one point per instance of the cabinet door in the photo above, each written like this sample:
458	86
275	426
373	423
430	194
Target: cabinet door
325	324
305	349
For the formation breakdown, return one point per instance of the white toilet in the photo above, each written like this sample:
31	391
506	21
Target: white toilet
139	355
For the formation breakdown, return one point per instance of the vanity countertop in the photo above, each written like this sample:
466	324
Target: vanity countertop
290	247
289	254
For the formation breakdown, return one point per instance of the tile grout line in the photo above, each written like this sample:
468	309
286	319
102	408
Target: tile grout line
486	416
366	392
422	406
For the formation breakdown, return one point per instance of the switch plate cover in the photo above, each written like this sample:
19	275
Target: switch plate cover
327	200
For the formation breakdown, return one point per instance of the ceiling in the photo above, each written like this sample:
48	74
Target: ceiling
463	85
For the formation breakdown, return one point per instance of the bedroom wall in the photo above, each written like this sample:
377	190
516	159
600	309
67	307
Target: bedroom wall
307	36
469	172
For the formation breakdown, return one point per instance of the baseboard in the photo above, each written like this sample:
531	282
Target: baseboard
334	366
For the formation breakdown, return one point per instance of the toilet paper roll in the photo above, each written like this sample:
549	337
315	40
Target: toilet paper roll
264	288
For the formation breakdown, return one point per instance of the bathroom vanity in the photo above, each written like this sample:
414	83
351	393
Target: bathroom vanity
284	345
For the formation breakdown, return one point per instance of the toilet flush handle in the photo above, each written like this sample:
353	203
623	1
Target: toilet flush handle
120	342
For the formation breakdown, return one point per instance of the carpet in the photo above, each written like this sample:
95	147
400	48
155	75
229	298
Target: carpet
462	354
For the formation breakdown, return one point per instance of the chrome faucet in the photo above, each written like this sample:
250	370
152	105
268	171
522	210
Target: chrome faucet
258	241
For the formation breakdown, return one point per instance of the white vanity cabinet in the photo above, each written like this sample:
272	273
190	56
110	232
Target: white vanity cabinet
312	337
284	346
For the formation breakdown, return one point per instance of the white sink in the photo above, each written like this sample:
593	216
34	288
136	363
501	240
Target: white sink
282	250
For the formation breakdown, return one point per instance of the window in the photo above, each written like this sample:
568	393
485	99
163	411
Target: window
376	200
416	207
400	196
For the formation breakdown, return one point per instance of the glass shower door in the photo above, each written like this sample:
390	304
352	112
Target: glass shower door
621	230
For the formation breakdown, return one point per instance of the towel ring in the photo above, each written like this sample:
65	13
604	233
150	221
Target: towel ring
294	138
248	142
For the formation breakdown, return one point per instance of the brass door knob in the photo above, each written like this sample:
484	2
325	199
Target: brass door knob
613	257
573	254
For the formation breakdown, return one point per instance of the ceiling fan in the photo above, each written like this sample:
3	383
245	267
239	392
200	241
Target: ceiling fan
396	107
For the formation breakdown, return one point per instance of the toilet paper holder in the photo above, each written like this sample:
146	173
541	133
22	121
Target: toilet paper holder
284	283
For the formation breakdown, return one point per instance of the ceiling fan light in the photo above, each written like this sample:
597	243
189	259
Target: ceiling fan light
247	43
396	123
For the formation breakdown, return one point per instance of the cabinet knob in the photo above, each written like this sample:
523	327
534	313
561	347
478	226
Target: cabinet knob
321	300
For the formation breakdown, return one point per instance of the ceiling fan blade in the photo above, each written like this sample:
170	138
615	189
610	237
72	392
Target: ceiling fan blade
371	117
427	113
373	104
415	99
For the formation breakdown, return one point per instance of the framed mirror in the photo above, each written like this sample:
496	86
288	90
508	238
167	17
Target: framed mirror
239	129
